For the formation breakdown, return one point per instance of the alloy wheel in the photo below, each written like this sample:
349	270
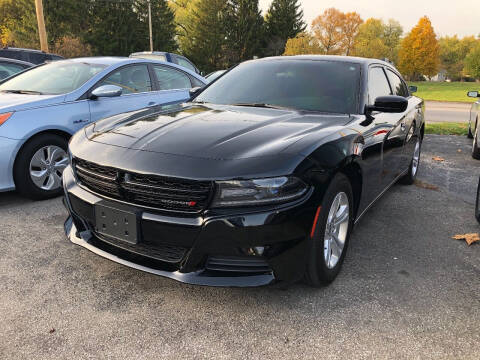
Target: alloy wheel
416	158
46	167
336	230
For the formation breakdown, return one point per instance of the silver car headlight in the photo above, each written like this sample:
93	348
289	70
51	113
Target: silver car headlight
258	192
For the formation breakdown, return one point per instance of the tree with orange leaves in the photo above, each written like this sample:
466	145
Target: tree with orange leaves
419	51
336	31
302	44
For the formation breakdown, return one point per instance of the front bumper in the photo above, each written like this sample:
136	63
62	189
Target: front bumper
8	150
214	250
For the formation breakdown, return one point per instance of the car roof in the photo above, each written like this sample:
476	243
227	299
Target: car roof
15	61
149	53
340	58
119	61
26	50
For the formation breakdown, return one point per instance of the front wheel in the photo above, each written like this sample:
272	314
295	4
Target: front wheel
39	166
331	232
410	176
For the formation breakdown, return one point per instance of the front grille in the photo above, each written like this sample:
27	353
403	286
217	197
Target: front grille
170	194
237	264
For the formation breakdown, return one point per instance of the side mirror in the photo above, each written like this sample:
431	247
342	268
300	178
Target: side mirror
389	104
412	89
106	91
194	91
473	94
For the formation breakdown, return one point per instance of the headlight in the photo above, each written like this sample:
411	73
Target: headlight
258	192
4	117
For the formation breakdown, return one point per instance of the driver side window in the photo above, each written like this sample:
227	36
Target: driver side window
132	79
377	84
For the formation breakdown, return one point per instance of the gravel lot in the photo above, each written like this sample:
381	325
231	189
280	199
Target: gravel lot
407	290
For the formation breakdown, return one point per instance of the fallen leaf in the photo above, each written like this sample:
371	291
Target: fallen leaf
425	185
52	331
438	158
469	238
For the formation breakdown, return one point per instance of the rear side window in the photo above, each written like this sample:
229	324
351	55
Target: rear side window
377	84
185	63
398	86
170	79
132	79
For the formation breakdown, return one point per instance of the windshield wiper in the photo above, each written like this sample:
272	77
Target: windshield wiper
263	105
28	92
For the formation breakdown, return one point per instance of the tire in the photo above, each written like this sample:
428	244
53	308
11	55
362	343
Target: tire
411	175
323	267
477	203
42	158
475	146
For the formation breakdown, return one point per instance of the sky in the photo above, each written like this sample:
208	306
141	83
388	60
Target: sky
448	17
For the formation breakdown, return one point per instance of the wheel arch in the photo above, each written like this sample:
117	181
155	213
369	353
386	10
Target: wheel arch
62	133
353	172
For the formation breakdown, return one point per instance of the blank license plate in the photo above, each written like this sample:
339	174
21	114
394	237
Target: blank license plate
119	224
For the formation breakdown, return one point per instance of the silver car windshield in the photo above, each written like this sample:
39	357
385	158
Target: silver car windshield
59	77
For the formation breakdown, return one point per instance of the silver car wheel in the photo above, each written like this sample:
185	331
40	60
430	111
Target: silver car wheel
336	230
46	167
416	158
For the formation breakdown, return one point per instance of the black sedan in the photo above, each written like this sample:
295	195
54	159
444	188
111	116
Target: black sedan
259	178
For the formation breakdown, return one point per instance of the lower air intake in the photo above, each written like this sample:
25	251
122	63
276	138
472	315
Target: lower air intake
237	264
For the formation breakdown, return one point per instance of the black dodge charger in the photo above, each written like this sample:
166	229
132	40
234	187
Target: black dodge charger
259	178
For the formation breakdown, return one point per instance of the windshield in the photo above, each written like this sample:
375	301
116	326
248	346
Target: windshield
324	86
59	77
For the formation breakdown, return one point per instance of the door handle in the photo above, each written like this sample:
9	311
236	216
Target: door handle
152	103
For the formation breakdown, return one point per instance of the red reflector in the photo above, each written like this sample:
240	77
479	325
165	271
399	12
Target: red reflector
315	222
192	203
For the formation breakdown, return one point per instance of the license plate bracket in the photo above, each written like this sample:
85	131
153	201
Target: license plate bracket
116	223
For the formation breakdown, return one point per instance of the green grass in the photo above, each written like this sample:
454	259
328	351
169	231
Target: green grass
444	91
446	128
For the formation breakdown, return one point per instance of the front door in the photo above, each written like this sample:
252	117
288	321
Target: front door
392	127
137	92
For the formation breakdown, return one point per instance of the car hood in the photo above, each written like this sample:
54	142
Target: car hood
18	102
214	131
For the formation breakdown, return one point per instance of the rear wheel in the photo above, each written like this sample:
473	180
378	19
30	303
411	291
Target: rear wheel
331	233
39	167
410	176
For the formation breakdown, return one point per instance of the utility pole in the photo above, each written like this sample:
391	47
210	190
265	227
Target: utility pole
42	32
150	24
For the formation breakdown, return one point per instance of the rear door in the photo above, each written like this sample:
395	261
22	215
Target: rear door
136	82
390	126
411	117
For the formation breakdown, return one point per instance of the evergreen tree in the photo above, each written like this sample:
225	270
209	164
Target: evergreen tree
284	20
206	29
244	30
121	27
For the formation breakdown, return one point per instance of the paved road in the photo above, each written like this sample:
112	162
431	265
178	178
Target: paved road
446	112
407	289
